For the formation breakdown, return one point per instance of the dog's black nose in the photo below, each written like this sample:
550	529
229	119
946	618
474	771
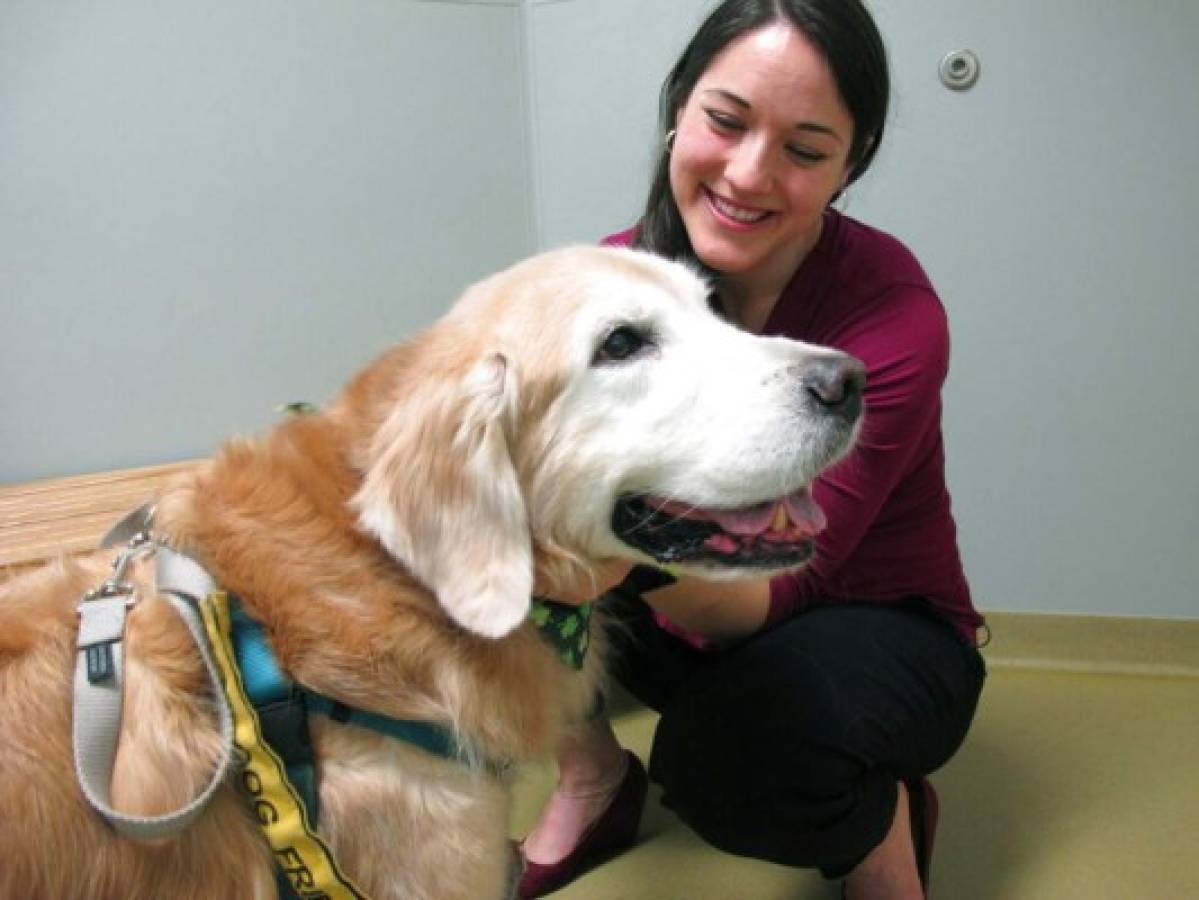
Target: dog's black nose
835	385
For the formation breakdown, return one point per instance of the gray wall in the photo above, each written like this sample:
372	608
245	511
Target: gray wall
214	209
209	209
1055	206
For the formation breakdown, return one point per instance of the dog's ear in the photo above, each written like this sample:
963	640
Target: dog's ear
442	495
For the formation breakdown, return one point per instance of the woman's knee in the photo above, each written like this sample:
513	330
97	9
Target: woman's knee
804	805
738	740
789	749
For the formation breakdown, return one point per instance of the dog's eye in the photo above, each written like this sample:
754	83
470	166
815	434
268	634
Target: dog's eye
621	343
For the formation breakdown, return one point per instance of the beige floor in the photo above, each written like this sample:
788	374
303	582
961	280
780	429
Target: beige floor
1070	787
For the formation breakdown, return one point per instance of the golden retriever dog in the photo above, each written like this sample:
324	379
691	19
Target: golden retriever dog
583	406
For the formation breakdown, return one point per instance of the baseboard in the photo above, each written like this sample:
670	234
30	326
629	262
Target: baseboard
1115	645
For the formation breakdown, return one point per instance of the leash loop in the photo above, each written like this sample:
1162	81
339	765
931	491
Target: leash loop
98	696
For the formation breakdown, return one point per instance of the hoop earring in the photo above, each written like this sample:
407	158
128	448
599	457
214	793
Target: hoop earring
668	141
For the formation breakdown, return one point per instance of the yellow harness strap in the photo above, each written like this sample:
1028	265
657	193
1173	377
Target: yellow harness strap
304	858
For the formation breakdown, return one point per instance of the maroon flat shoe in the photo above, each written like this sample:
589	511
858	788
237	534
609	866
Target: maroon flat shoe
614	831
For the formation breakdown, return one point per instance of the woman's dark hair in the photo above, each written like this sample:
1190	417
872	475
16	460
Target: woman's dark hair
842	30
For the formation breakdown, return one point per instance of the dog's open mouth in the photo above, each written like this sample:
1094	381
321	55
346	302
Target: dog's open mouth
774	534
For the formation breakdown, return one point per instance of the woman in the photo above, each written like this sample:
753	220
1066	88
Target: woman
800	714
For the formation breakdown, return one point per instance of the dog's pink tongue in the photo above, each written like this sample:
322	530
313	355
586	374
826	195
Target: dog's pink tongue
747	521
803	514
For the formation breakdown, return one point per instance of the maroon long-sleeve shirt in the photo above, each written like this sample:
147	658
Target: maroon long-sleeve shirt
891	536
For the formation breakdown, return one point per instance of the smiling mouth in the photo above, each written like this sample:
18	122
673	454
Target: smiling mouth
729	211
771	535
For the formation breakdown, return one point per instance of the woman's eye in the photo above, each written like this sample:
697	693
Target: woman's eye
804	155
621	343
723	120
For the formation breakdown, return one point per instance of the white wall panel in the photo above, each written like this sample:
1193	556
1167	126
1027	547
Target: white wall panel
596	69
212	208
1056	207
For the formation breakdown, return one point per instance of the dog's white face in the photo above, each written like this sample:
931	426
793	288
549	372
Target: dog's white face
589	404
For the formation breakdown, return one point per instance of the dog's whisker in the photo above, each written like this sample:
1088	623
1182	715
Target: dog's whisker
646	521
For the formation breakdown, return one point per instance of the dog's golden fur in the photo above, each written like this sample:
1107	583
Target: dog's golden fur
389	545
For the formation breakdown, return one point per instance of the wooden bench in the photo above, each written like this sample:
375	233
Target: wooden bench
41	519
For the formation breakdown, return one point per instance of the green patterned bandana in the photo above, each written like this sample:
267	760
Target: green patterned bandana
566	628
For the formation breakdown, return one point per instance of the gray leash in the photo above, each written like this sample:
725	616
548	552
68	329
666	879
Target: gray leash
100	674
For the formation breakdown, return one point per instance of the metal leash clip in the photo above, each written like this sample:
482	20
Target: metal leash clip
141	544
100	631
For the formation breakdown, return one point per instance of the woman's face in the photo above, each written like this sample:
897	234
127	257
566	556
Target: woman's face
761	147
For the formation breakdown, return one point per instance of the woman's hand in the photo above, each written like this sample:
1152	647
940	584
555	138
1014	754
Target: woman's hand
717	610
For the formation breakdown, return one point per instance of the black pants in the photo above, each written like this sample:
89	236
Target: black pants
788	746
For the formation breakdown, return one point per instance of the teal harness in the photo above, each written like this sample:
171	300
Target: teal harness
283	707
